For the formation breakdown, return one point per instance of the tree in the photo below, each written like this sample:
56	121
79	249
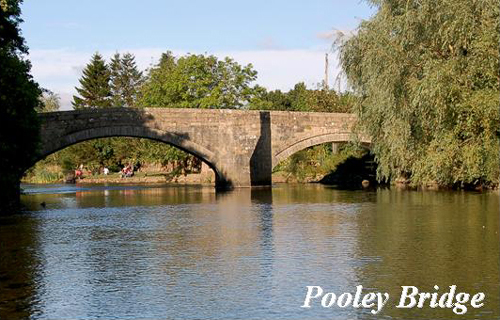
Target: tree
125	80
19	96
324	100
50	102
302	99
95	91
198	81
427	74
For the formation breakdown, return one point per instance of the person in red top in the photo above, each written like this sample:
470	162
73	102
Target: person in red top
78	173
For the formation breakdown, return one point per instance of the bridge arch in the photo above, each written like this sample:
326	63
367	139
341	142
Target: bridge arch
308	142
177	140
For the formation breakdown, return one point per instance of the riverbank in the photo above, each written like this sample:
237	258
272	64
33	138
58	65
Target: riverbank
149	178
208	177
155	178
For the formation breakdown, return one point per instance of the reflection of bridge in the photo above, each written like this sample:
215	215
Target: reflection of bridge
241	147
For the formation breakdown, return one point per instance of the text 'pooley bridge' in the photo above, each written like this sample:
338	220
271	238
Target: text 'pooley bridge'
241	146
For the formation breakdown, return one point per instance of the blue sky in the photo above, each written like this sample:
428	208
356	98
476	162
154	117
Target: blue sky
284	40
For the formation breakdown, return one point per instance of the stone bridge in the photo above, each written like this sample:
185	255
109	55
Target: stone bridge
242	147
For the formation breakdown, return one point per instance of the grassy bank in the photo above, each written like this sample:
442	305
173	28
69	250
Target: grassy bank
43	173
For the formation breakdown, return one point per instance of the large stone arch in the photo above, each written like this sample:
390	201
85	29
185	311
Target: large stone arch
308	142
177	140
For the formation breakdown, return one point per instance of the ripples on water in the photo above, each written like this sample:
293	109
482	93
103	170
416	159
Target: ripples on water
188	252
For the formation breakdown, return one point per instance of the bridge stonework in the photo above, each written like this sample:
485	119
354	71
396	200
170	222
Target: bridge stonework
241	146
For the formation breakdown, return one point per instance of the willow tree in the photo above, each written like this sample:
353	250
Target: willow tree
50	102
427	73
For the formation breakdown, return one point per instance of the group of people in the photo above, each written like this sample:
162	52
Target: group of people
127	171
79	172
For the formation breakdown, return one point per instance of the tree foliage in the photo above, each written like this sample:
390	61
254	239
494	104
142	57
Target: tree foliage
125	80
19	96
300	98
95	90
50	102
198	81
427	74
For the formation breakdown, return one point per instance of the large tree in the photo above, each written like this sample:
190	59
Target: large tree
125	80
19	96
198	81
427	73
95	90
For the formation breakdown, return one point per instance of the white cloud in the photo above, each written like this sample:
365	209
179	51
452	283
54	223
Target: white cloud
282	69
269	43
59	70
336	36
329	35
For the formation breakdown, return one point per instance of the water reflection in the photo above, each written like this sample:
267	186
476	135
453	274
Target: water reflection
19	266
156	252
432	238
69	196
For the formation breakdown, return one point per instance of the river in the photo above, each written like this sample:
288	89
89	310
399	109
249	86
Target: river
189	252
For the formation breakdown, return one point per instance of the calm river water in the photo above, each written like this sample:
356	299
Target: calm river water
188	252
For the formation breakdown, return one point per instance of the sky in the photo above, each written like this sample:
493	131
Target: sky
285	41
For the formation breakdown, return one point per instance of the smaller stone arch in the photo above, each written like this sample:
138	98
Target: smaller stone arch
313	141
